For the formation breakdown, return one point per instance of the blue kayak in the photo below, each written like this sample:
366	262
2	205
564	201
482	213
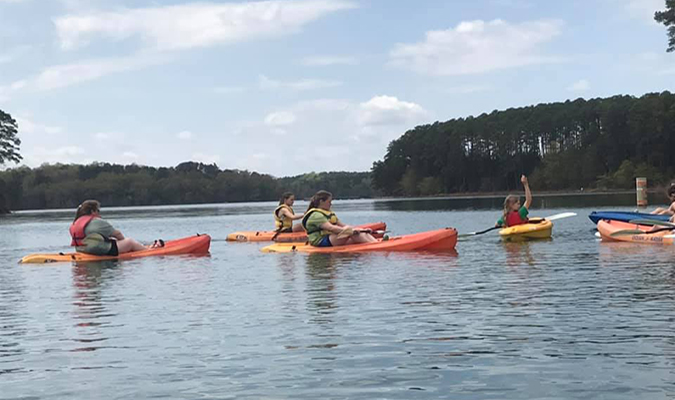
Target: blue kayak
625	216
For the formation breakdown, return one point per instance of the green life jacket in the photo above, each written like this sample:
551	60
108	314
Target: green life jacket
330	217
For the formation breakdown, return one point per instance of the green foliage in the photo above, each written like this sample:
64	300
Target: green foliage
66	186
3	202
667	18
430	185
580	143
9	142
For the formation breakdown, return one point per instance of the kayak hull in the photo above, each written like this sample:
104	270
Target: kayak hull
198	244
625	216
438	240
295	237
607	227
536	228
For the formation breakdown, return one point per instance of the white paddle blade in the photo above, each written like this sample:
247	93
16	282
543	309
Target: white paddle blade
561	216
598	235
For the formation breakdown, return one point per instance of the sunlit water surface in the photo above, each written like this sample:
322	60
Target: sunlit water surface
565	318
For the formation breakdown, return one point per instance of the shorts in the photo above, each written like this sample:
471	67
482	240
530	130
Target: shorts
113	249
325	242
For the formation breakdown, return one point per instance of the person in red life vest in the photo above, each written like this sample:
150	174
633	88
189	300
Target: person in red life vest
514	214
93	235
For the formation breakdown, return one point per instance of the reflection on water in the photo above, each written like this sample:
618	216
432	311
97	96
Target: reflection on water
90	310
565	318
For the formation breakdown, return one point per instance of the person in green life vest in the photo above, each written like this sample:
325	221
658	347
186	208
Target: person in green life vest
284	215
323	227
93	235
514	214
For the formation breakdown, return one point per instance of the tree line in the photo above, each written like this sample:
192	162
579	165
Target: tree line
67	185
597	143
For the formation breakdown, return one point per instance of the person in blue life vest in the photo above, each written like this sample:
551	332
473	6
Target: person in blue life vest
323	227
284	215
514	213
93	235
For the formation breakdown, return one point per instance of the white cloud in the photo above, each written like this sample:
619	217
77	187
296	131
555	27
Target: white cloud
64	75
266	83
579	86
184	135
64	154
197	24
102	136
476	47
281	118
388	110
28	126
352	135
130	155
321	61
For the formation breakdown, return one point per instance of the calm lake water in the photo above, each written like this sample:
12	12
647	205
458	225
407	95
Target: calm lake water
567	318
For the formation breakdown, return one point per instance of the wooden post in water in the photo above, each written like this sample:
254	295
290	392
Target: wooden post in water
641	191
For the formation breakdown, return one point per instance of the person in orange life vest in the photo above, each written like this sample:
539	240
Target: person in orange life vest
284	215
514	214
92	235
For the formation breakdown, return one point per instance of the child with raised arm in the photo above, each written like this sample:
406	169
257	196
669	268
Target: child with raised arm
514	214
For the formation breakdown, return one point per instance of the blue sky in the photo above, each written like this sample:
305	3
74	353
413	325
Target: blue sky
293	86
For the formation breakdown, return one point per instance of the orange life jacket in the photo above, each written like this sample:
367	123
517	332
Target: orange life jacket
77	229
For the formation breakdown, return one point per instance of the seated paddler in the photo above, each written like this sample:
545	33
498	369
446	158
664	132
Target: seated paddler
323	227
284	215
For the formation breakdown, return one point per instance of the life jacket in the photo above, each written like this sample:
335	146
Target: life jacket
332	218
77	229
513	218
283	223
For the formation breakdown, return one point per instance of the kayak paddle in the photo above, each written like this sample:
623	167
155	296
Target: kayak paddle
479	232
561	216
651	222
626	232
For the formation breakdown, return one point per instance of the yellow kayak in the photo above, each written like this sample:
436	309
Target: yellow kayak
536	228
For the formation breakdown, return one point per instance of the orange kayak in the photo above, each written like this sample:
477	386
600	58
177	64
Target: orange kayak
295	237
190	245
438	240
662	235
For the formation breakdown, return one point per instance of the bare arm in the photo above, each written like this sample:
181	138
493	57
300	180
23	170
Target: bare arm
117	235
528	194
288	214
327	226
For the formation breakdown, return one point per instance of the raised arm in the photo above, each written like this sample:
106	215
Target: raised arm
528	194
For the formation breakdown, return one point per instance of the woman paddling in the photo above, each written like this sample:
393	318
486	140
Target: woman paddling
323	227
93	235
514	214
284	215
